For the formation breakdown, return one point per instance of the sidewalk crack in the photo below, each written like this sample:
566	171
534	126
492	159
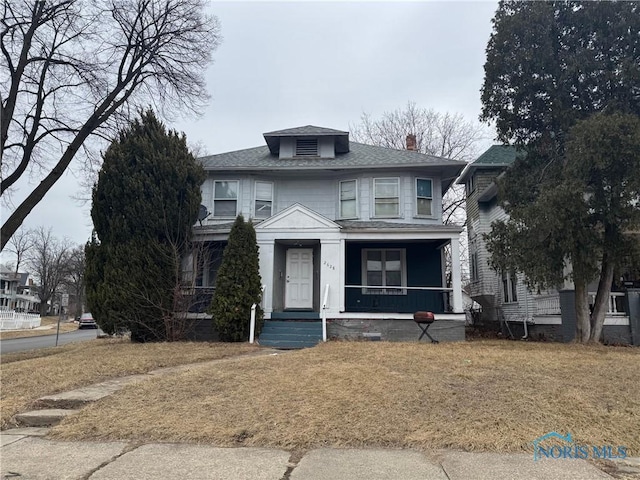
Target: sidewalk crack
127	449
294	459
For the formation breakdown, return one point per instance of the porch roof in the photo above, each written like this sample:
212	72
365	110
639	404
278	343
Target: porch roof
379	226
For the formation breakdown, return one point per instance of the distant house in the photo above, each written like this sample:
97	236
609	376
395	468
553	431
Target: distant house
346	230
504	295
17	292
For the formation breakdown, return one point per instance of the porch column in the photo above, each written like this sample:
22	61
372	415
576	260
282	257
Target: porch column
266	256
343	274
456	281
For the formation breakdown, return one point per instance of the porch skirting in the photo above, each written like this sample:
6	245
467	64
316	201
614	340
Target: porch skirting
393	330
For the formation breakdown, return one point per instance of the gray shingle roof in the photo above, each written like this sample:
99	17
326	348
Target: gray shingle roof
359	155
496	156
379	225
306	130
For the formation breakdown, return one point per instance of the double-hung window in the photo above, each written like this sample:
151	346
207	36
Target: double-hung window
348	199
424	197
264	199
385	270
387	197
225	198
509	287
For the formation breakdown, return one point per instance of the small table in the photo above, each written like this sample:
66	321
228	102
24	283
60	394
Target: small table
424	321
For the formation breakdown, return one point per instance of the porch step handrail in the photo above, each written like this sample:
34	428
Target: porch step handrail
252	322
324	313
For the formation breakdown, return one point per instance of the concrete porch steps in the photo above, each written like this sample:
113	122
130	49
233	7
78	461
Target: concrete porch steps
291	334
43	418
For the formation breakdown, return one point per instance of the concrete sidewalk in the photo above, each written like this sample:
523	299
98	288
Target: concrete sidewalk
27	455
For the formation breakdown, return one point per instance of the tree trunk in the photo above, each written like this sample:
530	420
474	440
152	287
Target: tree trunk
602	299
583	324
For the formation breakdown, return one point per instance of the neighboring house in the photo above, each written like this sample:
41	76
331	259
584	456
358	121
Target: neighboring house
347	230
17	292
504	295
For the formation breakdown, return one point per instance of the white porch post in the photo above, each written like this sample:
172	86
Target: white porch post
456	280
266	256
343	273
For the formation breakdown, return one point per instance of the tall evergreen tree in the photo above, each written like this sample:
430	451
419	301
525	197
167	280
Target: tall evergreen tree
558	74
238	285
144	205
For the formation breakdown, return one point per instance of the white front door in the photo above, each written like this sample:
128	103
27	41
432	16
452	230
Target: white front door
299	285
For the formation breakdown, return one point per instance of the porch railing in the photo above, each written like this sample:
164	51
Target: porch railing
398	299
615	304
196	299
548	305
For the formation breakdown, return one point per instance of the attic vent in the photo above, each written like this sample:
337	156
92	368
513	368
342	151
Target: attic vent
307	147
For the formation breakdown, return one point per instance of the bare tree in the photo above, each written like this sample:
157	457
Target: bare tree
441	134
74	70
20	244
48	261
74	280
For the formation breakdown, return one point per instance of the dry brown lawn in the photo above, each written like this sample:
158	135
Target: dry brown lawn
477	396
30	375
45	321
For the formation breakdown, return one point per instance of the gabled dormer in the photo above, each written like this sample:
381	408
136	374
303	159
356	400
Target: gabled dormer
307	142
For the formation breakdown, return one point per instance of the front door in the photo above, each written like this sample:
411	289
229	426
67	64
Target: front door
299	286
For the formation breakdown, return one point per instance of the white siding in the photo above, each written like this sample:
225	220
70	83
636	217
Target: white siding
319	195
287	147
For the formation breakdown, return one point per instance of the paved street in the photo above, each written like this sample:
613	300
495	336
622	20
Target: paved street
11	345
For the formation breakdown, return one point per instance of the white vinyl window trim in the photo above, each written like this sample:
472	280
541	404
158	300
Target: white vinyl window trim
263	203
424	197
225	198
348	199
386	197
384	271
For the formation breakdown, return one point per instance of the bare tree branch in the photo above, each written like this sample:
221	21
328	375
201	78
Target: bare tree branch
77	69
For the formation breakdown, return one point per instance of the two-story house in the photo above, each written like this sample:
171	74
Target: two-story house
350	231
504	296
15	293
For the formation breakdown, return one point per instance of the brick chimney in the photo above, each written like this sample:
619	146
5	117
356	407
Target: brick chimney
411	142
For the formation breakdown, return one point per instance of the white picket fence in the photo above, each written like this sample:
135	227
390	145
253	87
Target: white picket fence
10	320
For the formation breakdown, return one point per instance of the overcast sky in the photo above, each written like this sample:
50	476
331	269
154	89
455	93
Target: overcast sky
287	64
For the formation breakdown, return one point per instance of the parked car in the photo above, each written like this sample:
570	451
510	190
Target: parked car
87	321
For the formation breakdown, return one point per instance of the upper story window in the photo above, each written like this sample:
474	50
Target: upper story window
470	184
385	269
264	199
473	264
509	287
387	197
348	199
225	198
307	147
424	197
